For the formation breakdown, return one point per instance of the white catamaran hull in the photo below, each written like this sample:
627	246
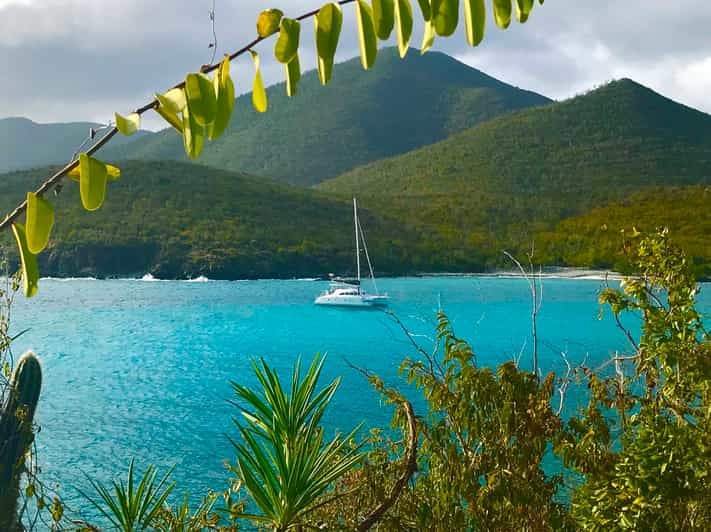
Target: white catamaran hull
362	300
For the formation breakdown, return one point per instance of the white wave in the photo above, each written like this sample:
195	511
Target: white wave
68	279
199	279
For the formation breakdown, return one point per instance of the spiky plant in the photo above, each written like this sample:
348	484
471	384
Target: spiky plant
283	460
16	434
131	508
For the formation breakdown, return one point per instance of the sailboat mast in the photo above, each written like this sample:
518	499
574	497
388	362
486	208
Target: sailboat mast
355	222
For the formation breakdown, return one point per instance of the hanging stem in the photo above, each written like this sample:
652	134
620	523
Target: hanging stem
54	180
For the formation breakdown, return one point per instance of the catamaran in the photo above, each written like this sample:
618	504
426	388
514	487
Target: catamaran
348	292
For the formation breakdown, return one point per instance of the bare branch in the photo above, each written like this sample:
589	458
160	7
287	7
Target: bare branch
410	469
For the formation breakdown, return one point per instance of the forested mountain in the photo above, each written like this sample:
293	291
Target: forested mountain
502	183
182	220
359	117
27	144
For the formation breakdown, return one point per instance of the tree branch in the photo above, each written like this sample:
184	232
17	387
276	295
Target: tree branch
410	469
54	180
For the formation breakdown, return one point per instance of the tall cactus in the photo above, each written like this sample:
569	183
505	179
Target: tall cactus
16	434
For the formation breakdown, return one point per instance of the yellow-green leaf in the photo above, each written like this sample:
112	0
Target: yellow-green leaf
201	98
293	75
523	10
502	13
366	34
259	95
426	9
288	42
474	21
268	22
327	27
384	18
128	125
166	110
39	219
403	25
445	15
28	261
93	175
225	89
428	38
174	99
193	135
112	172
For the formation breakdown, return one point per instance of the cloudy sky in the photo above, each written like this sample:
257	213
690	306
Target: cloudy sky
70	60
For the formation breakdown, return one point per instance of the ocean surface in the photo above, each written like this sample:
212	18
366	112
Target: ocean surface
139	369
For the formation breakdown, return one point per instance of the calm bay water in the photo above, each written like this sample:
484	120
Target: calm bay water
142	369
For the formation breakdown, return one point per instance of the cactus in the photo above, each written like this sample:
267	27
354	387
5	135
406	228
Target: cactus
16	434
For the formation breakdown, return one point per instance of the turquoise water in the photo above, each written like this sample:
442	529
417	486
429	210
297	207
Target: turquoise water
142	369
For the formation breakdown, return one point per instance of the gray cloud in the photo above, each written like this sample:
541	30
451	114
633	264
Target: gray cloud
64	60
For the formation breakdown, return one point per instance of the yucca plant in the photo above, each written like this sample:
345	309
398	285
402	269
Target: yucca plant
131	508
283	460
184	519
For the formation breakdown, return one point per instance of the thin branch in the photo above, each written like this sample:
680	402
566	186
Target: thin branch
407	473
54	180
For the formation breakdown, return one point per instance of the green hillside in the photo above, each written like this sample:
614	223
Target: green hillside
26	144
498	185
358	118
181	220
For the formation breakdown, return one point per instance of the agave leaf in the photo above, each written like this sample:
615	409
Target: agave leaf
268	22
259	95
39	217
93	176
201	98
327	27
403	25
28	261
366	34
287	44
225	90
445	15
293	75
474	21
384	18
128	125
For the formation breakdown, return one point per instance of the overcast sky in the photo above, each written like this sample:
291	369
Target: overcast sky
71	60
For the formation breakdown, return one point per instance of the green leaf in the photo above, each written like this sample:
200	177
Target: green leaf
327	27
166	110
288	42
523	10
428	38
366	34
502	13
293	75
174	99
93	176
28	261
259	95
403	25
474	21
268	22
128	125
201	98
225	90
193	135
39	218
112	173
426	9
384	18
445	15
